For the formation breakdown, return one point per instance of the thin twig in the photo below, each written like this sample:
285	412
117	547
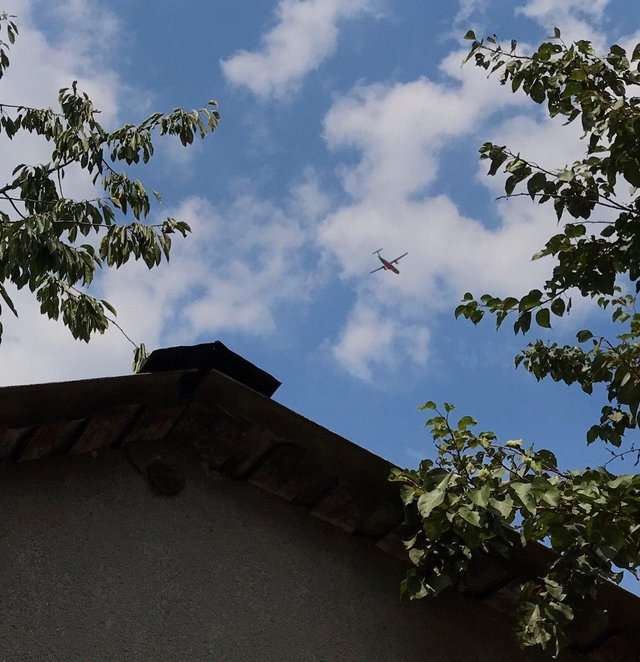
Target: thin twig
619	456
11	202
609	204
110	319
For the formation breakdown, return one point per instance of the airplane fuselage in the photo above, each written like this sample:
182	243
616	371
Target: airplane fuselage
388	265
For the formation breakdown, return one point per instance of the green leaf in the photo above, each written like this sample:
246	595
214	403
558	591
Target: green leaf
584	335
631	171
140	355
430	500
536	183
471	516
7	299
551	496
504	506
574	230
466	422
109	307
524	493
543	318
537	92
558	307
523	323
437	583
510	185
480	496
497	159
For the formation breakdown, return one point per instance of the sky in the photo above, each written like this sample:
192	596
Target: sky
346	126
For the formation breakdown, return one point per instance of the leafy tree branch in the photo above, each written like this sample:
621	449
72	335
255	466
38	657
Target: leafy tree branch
466	504
482	497
41	230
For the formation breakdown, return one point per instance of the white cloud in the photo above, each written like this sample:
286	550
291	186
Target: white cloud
252	266
38	70
577	19
305	35
39	67
176	161
467	9
400	133
242	264
35	348
240	267
545	10
83	26
249	260
372	339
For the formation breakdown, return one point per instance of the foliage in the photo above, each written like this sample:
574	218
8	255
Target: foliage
576	83
463	504
45	236
471	499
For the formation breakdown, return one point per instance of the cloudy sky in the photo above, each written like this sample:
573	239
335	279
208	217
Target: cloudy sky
347	126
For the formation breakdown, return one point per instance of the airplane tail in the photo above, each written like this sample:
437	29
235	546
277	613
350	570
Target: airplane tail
375	252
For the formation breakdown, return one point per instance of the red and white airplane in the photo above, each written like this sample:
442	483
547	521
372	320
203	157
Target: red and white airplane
387	264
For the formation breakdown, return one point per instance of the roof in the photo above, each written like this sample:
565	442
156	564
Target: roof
262	442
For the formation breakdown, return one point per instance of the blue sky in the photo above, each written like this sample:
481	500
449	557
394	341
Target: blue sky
347	125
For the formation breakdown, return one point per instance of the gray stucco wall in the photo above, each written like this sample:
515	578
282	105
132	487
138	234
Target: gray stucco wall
96	566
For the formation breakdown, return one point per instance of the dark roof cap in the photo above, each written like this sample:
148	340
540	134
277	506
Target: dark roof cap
215	356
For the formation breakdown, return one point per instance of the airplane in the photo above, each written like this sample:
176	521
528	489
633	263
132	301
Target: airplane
387	264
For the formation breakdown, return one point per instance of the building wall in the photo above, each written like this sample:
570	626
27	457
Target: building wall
96	566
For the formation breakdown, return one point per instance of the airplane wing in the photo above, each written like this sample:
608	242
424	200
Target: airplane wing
378	269
399	258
